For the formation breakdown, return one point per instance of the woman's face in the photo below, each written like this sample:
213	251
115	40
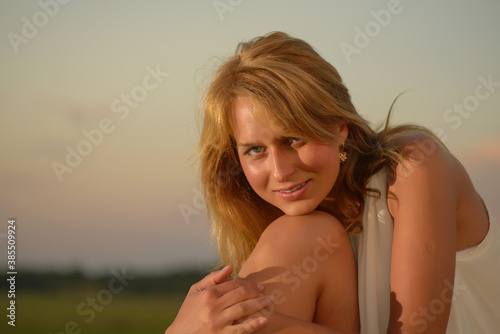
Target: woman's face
291	174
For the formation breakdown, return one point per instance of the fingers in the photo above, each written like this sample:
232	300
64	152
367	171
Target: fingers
249	326
247	310
237	290
214	278
223	274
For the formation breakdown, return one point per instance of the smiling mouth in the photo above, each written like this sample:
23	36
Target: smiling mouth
293	189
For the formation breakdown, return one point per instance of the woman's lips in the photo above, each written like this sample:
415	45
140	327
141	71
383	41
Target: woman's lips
293	192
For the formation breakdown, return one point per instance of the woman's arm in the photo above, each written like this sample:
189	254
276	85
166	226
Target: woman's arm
307	264
423	201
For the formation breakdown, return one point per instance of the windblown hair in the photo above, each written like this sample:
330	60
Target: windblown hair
289	83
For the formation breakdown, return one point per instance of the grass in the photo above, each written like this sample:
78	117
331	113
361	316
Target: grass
56	313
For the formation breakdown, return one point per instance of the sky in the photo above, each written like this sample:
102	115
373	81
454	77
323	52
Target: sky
99	104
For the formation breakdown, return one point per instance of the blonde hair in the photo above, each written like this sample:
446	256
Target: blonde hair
290	83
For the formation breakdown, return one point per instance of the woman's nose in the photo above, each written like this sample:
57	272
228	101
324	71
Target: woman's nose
283	165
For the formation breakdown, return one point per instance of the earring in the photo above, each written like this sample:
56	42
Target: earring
342	154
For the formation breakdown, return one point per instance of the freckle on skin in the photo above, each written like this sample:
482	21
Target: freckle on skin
429	248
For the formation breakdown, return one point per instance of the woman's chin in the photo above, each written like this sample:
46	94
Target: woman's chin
297	210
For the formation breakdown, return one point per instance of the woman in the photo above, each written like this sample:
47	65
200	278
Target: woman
286	161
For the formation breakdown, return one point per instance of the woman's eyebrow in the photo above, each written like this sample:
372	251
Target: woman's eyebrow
246	144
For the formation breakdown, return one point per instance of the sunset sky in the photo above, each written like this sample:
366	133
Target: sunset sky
120	82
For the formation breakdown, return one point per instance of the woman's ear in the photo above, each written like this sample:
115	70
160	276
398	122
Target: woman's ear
343	131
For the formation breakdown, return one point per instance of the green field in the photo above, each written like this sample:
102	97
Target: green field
126	313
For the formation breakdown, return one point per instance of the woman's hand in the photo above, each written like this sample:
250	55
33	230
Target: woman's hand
216	302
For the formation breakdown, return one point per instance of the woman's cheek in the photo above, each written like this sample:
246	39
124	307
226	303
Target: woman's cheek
320	156
253	173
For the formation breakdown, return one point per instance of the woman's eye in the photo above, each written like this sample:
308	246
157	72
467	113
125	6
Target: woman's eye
254	150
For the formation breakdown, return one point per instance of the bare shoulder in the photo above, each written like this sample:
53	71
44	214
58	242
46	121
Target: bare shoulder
436	212
308	264
290	239
426	167
422	151
292	228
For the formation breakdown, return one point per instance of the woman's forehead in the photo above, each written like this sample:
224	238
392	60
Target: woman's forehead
249	124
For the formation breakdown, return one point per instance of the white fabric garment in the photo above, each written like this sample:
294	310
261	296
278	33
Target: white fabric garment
475	298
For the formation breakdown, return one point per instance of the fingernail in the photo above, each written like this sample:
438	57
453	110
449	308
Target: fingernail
262	321
260	287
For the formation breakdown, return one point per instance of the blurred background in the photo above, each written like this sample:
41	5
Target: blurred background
98	108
